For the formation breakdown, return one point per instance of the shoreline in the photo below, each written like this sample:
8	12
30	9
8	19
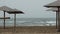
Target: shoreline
29	29
26	26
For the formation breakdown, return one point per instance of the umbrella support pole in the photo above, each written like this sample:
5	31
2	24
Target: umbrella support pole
4	19
14	22
58	20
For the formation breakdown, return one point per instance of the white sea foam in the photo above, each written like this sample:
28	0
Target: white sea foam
51	21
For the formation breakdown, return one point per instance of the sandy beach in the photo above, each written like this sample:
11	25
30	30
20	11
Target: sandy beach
29	30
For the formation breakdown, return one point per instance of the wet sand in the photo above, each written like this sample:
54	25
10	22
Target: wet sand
29	30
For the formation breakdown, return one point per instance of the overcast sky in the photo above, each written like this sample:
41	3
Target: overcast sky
32	8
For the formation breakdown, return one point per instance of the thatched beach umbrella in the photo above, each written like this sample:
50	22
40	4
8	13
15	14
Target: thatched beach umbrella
15	11
57	5
5	18
54	10
5	8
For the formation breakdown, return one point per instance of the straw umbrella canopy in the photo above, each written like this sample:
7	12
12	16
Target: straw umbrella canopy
5	18
57	5
15	11
5	8
53	4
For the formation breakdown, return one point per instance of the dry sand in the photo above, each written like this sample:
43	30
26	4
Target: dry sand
29	30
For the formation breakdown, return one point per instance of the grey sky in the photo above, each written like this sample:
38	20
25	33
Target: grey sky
32	8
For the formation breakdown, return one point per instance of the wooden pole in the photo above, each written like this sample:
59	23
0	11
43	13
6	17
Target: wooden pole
58	20
14	21
4	19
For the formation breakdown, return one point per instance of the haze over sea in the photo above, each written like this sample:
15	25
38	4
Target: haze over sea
30	22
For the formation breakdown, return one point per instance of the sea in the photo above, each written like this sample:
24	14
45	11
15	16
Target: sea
29	22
